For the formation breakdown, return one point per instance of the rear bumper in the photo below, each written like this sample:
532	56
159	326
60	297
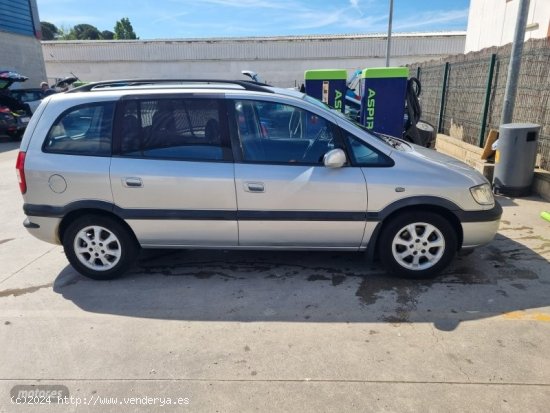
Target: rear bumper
43	228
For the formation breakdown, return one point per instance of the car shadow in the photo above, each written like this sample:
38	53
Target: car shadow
247	286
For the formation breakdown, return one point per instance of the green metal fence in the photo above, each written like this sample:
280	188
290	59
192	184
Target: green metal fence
462	95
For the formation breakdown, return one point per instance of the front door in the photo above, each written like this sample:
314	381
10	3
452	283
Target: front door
285	195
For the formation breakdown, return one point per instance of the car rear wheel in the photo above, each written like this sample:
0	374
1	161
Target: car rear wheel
99	247
417	245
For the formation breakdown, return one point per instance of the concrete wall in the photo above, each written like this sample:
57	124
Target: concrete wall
493	22
24	55
280	61
471	155
278	73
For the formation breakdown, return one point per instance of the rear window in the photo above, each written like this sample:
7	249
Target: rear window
82	130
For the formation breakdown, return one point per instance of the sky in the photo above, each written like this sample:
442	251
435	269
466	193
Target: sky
171	19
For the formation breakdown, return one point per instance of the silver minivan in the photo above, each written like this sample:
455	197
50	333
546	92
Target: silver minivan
112	167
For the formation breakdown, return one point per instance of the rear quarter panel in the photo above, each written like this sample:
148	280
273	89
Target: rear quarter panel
86	177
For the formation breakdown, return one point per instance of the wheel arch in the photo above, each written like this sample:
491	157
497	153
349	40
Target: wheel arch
441	207
87	211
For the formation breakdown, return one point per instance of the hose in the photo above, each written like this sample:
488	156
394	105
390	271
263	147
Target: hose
414	111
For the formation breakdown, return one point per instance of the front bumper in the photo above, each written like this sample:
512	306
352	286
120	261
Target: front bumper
480	227
478	233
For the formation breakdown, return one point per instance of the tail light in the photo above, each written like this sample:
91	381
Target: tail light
20	169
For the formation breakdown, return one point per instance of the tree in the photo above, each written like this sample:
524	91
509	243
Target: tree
124	29
49	31
65	33
86	32
107	35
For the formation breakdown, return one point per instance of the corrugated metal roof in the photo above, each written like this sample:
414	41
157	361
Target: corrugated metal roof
254	48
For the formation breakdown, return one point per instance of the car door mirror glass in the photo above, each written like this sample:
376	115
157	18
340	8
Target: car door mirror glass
335	158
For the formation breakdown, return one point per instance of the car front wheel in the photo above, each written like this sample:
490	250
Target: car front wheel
99	247
417	245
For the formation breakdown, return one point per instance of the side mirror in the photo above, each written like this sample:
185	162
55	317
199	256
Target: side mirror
335	158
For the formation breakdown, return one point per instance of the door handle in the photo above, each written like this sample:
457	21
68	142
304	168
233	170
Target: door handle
132	182
254	187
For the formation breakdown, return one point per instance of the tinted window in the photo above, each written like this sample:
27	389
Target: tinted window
275	133
83	130
189	129
364	155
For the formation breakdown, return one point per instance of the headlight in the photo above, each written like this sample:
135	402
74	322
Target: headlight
483	194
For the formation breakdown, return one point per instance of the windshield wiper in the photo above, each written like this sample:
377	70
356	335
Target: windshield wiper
393	142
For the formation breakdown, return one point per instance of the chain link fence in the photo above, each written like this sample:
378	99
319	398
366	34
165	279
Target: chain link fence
463	95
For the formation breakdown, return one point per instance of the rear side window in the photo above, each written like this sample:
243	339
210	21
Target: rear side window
174	128
82	130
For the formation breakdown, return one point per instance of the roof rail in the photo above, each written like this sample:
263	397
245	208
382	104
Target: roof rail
245	84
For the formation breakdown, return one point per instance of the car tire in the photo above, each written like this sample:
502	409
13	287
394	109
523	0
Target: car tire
99	247
417	245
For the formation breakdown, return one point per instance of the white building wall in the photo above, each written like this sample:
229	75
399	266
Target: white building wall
493	22
280	60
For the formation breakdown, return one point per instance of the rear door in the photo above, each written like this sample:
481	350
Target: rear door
172	173
285	195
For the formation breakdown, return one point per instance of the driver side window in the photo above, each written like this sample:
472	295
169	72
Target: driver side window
276	133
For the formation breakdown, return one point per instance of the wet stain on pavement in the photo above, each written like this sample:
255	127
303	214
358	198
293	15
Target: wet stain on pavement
204	275
335	280
522	228
16	292
209	269
317	277
534	237
375	287
3	241
406	292
397	299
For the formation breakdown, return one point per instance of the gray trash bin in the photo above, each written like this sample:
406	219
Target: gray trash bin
515	158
